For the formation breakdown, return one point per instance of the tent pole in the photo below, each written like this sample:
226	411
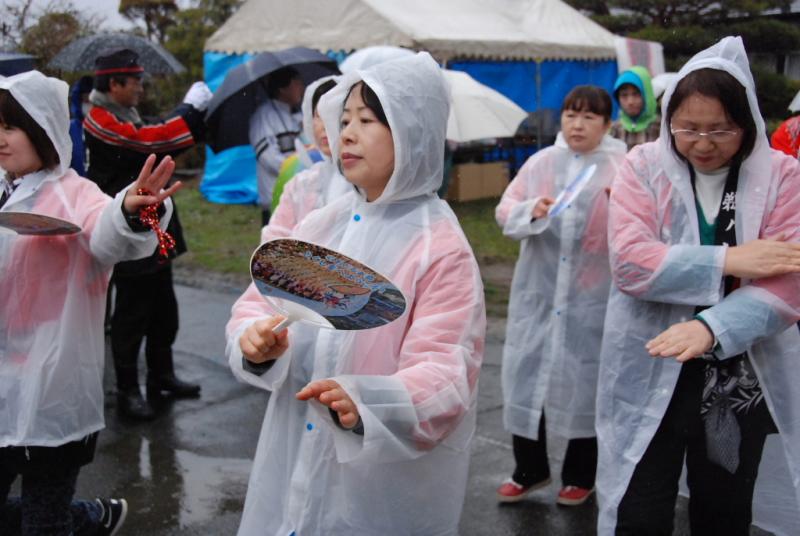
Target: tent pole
538	103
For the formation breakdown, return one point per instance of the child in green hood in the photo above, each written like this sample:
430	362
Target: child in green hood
639	121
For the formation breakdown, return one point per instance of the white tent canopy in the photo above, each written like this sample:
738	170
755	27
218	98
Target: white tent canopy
448	29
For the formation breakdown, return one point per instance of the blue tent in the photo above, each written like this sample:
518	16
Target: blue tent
230	176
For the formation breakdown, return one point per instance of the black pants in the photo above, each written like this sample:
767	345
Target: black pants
720	502
145	307
580	461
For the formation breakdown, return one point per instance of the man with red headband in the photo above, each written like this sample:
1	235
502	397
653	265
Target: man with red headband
118	142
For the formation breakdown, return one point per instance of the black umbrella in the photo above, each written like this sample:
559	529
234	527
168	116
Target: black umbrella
243	90
81	53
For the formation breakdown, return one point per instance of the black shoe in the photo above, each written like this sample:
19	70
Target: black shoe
130	404
172	386
114	512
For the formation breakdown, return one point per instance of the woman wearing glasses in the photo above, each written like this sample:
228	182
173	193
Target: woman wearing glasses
698	363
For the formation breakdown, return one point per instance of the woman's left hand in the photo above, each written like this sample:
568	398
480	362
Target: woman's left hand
330	394
152	180
684	341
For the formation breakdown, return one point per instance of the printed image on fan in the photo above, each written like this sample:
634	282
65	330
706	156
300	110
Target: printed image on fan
347	294
25	223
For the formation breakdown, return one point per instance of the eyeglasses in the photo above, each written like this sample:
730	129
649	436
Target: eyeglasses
716	136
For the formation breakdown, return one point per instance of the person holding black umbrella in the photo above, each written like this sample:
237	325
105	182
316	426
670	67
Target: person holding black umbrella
118	142
273	128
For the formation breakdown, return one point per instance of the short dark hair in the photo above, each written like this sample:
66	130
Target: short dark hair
279	79
588	99
722	86
319	92
12	114
371	101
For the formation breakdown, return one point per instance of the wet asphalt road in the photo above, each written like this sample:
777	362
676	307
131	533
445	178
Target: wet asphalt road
186	473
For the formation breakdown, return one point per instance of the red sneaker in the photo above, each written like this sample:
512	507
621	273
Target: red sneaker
573	495
510	491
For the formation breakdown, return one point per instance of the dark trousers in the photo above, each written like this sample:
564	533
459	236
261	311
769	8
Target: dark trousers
580	461
145	307
45	507
720	502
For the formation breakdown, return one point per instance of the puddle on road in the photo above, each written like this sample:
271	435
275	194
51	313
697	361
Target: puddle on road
206	481
179	488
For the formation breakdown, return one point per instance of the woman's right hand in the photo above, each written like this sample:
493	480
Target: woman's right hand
259	343
763	258
541	208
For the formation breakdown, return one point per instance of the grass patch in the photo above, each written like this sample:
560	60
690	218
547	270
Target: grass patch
221	238
483	233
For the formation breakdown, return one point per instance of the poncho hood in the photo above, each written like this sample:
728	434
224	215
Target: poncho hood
416	101
45	99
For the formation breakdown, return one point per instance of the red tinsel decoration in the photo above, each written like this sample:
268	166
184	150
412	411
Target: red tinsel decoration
149	216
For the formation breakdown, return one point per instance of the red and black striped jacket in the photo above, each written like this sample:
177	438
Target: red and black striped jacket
118	149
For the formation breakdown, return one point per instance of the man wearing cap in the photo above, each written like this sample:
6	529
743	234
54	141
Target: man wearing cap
273	128
118	142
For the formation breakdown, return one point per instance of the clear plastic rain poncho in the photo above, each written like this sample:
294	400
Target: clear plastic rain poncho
53	288
414	381
310	189
559	291
662	272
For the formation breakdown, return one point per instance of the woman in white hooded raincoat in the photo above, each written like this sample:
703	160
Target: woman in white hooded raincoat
413	383
649	409
52	302
558	299
316	186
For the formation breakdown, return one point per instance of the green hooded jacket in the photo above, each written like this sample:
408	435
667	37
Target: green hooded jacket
639	77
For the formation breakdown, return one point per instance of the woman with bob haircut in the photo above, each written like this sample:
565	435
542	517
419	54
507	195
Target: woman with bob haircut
558	299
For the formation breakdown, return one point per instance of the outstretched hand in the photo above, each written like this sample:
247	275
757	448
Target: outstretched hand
152	180
330	394
683	341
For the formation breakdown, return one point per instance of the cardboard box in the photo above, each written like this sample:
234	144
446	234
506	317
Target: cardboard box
478	181
495	178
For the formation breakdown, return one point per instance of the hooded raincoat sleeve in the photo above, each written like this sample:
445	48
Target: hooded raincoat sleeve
661	273
419	406
764	307
515	211
644	264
